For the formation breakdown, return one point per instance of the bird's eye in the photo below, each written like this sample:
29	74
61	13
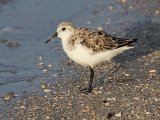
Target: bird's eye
63	29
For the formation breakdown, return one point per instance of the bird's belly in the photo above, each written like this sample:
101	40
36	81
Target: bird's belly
81	58
84	56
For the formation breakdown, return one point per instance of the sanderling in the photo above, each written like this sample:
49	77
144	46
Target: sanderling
89	47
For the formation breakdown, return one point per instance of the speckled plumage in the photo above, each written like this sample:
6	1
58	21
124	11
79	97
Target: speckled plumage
89	47
98	41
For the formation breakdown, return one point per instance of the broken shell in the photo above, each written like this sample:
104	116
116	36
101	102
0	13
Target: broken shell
118	114
47	90
40	58
99	28
151	71
44	70
40	64
49	66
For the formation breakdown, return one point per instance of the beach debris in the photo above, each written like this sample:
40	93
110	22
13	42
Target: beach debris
3	40
110	115
157	12
49	66
118	114
7	99
100	28
126	75
47	90
110	8
152	71
40	64
13	44
44	70
40	58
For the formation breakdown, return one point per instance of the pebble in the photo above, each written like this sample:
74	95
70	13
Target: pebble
130	7
47	90
111	99
3	40
88	22
47	117
22	106
35	107
157	99
123	1
101	88
96	92
40	58
99	28
135	98
49	66
13	44
110	115
147	113
126	75
62	119
44	70
146	64
105	101
84	119
107	23
157	12
152	71
107	104
7	99
44	86
40	64
70	104
95	12
110	8
11	94
118	114
7	29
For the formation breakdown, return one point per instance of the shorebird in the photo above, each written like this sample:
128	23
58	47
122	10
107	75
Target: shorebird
89	47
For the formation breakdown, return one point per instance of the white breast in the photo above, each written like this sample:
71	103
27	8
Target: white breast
86	57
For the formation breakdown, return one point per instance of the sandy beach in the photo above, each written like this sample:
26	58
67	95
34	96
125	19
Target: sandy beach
39	82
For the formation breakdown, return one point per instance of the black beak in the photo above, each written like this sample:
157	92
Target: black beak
52	37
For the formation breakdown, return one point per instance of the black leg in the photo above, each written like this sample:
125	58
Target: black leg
91	79
89	88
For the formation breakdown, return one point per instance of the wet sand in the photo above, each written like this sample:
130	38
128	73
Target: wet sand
136	95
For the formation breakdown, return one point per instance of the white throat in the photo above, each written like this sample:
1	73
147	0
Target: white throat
65	39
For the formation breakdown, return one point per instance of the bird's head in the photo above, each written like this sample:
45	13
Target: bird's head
64	31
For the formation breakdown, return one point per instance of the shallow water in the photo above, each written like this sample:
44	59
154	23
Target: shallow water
25	25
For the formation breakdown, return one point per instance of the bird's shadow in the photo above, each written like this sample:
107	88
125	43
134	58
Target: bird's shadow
148	33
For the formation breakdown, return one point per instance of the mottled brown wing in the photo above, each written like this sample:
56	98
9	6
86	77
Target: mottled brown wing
99	41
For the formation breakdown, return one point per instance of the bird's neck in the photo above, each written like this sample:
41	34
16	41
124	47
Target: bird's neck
65	42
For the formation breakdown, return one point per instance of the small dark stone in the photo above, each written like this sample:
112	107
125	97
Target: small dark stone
3	40
11	94
110	115
29	80
69	63
13	45
105	101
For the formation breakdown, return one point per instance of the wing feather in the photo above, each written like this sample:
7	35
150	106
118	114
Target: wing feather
98	41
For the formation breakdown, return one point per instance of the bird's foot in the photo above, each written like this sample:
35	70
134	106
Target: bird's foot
86	90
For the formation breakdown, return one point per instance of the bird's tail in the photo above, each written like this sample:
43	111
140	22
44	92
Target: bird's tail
126	42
